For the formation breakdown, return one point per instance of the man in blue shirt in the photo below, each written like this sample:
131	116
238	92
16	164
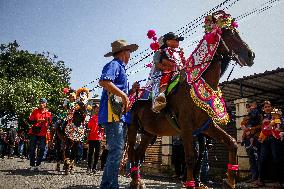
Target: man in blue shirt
114	82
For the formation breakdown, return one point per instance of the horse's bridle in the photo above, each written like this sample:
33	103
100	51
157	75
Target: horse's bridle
231	54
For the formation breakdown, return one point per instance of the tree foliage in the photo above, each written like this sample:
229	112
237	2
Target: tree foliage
25	77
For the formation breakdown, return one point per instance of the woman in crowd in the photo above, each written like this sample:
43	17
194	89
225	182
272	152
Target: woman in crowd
271	146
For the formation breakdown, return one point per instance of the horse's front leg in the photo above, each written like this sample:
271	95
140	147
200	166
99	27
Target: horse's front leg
139	158
232	166
217	133
132	157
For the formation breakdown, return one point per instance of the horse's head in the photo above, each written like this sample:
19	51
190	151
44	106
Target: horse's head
231	44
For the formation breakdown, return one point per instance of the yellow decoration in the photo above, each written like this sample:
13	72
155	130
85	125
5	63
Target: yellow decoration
89	107
215	118
77	107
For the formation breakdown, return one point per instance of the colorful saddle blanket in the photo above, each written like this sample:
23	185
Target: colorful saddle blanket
145	93
210	101
75	133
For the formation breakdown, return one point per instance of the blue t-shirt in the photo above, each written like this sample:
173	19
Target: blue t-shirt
113	71
254	118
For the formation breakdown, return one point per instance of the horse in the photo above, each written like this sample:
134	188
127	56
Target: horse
70	130
189	117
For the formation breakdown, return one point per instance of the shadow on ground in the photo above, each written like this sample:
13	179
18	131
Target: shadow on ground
27	172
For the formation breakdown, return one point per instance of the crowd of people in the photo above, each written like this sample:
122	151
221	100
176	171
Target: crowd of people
263	130
42	144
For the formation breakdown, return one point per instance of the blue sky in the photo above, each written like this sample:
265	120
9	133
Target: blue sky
80	31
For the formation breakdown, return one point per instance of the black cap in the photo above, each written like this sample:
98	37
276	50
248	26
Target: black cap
172	36
251	100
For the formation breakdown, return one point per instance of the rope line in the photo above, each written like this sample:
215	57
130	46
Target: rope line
256	11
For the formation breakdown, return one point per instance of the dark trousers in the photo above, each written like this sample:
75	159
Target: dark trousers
34	142
93	158
79	152
11	146
274	147
200	148
104	158
178	160
253	155
4	149
205	167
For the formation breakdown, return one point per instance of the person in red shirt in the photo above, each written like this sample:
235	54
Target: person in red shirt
41	118
95	136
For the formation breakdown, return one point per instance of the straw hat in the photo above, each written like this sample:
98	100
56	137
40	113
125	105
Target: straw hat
120	45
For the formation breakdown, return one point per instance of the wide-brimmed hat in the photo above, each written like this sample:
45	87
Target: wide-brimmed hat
120	45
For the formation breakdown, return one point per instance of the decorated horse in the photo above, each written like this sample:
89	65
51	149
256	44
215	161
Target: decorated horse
195	104
71	127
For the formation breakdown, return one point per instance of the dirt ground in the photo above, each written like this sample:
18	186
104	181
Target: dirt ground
15	174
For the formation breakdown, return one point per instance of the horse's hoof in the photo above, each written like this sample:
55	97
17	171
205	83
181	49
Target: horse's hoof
227	185
142	185
201	186
133	186
137	185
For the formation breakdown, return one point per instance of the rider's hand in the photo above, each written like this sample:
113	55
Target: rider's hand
135	86
126	103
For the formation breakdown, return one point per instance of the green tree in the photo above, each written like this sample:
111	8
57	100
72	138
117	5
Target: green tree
25	77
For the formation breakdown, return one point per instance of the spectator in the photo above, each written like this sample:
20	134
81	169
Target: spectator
270	146
2	142
79	153
201	143
95	135
205	162
4	145
46	154
178	157
41	119
250	138
21	143
11	139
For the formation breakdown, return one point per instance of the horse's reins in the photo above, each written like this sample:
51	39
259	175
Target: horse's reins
232	53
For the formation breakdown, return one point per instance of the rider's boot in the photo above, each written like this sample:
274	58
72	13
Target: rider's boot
159	103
